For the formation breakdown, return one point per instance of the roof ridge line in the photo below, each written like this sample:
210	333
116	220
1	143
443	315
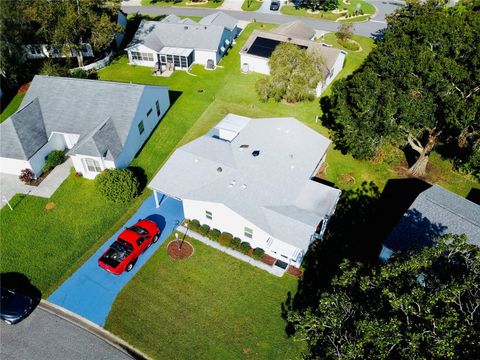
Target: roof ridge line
451	211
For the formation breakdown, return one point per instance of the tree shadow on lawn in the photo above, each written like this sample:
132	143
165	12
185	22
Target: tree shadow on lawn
363	219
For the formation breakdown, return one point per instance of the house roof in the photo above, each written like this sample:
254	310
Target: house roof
183	33
329	54
101	112
273	190
435	212
295	29
221	19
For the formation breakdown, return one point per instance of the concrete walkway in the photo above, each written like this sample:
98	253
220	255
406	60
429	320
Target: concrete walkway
274	270
231	5
11	184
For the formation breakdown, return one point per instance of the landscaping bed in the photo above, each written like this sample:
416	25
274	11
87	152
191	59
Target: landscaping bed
347	11
179	250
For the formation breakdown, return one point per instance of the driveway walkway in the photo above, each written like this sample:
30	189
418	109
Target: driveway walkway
265	8
90	291
11	185
231	5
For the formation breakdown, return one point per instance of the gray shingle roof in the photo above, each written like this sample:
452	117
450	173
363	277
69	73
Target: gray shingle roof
221	19
295	29
101	112
435	212
272	190
23	134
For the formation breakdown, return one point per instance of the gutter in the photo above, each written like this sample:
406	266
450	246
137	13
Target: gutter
93	329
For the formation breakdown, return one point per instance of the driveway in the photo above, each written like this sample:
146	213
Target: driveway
90	291
265	8
231	5
43	335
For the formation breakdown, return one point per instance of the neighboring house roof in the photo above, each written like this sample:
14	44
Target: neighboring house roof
221	19
295	29
435	212
256	45
101	112
175	32
272	190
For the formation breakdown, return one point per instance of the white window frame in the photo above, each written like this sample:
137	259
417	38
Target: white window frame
248	232
94	166
141	127
208	215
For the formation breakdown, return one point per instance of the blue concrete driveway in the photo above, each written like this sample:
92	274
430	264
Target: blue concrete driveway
90	291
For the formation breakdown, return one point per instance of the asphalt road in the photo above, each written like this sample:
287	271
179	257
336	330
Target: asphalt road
45	336
367	28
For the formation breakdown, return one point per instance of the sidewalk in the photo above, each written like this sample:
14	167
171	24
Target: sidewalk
274	270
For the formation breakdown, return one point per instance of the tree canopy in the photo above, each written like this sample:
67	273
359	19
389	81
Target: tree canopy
420	87
419	305
294	74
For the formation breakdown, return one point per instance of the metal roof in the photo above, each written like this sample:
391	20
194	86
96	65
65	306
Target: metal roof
175	51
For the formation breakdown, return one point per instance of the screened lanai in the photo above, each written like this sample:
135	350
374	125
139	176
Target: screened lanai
181	58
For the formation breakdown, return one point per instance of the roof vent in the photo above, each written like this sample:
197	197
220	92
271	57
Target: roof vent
256	153
196	160
243	146
185	27
244	186
219	170
291	156
205	28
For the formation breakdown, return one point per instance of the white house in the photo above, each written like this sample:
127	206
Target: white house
101	124
179	43
254	178
256	52
435	212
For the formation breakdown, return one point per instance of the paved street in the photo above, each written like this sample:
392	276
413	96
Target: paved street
43	335
368	28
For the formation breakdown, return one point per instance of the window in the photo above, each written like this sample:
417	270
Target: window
141	127
92	165
248	232
140	241
141	56
149	112
286	257
176	60
157	105
208	215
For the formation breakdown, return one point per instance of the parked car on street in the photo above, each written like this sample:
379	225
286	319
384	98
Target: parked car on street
15	306
123	253
275	5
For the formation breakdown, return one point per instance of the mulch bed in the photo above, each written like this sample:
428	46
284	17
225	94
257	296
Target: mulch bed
176	253
269	260
37	181
292	270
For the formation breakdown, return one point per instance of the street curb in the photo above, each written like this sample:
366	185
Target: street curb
93	329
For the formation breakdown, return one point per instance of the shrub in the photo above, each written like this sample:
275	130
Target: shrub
258	253
349	45
194	225
225	239
26	175
55	158
118	185
245	247
214	234
235	243
204	229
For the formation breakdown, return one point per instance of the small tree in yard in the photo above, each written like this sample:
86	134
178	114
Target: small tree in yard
294	74
26	175
344	31
55	158
118	185
419	305
419	87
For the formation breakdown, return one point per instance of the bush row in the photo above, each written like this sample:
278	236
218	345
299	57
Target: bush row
226	239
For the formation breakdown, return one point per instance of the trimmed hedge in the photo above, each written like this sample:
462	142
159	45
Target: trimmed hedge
225	239
214	234
204	229
55	158
258	253
235	243
118	185
245	247
194	225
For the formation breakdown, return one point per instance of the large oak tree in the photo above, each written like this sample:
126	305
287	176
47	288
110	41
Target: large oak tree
420	87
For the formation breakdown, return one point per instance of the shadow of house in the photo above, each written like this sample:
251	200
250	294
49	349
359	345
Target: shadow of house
474	196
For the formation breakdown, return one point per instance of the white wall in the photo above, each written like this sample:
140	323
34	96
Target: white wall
142	49
135	140
255	64
13	166
80	166
337	67
202	56
226	220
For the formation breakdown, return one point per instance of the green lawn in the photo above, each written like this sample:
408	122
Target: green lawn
45	244
251	5
210	306
11	107
189	3
367	8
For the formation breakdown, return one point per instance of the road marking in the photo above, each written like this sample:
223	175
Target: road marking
377	21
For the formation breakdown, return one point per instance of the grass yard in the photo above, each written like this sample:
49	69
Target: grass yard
209	306
11	107
251	5
368	10
45	244
188	3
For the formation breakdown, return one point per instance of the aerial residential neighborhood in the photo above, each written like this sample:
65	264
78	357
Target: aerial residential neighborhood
239	179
